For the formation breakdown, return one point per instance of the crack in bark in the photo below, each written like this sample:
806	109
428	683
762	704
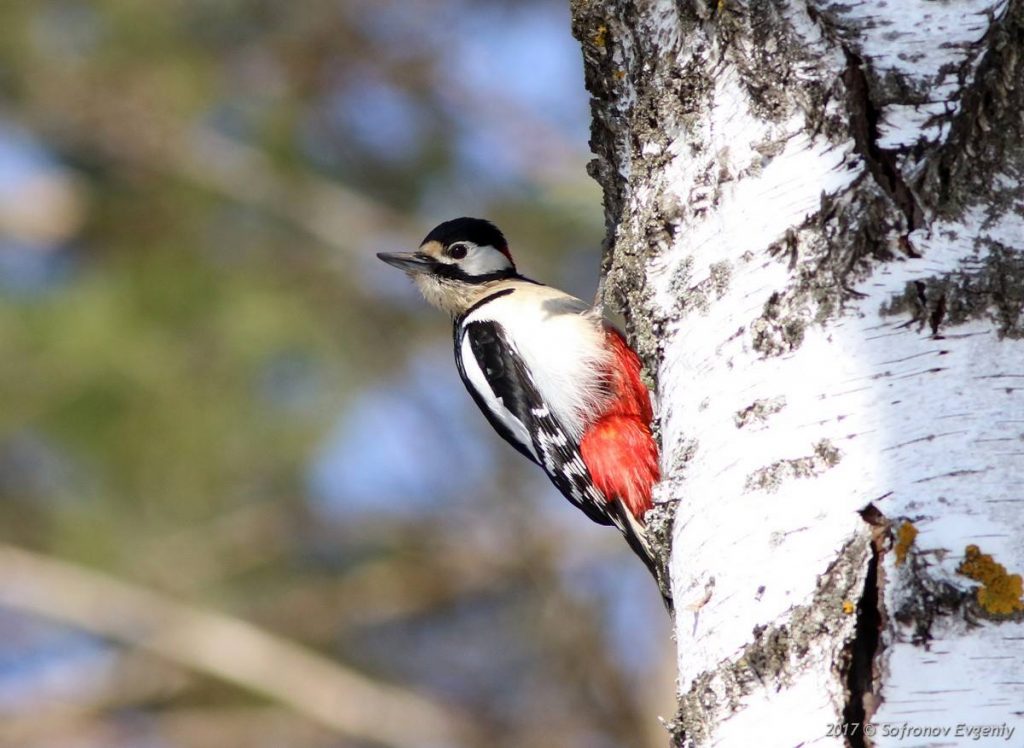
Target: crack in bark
863	120
881	162
862	651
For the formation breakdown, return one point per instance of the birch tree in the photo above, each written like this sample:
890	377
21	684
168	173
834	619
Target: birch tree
815	220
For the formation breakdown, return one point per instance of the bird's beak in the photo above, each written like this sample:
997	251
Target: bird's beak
410	262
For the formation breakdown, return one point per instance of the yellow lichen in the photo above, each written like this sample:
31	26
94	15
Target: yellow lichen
600	36
618	74
1000	593
904	539
848	607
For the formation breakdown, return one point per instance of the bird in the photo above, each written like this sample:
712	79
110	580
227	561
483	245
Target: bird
554	378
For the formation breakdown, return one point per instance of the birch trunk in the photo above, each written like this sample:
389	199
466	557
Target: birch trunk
815	218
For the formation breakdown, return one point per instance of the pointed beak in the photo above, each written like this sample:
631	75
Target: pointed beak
410	262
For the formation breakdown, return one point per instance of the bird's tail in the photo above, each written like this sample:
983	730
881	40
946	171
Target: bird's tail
635	532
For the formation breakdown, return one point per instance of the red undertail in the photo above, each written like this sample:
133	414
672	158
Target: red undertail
618	447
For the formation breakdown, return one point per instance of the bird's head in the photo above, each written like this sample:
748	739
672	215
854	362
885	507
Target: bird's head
456	263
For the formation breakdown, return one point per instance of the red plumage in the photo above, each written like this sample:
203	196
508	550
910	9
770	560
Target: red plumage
618	447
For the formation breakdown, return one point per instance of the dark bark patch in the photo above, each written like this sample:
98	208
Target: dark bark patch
987	135
991	288
699	296
759	411
921	599
770	478
644	93
775	653
881	163
659	521
779	329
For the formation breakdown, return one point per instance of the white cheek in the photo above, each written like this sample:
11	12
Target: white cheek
484	260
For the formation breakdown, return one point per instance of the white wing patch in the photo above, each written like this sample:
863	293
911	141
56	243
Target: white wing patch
493	403
549	444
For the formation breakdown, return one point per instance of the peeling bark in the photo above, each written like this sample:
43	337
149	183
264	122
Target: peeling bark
815	217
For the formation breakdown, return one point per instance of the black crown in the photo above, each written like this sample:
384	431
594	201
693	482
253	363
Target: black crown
477	230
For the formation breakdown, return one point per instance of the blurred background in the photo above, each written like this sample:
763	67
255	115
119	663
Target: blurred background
244	498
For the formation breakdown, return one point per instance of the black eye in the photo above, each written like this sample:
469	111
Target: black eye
457	251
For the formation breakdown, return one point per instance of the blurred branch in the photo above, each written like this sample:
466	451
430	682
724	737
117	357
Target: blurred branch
216	644
392	586
133	678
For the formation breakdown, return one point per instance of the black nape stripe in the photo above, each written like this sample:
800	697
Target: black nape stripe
477	305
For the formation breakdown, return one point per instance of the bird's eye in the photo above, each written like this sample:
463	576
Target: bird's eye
457	251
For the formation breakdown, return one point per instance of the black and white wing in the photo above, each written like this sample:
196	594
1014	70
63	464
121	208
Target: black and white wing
502	387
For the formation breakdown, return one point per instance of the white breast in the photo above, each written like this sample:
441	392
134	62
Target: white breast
562	345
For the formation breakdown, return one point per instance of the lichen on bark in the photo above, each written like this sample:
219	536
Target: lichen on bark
1000	593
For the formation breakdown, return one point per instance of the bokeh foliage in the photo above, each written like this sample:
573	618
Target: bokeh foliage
202	308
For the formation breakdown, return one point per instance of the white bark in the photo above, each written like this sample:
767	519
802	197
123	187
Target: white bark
816	232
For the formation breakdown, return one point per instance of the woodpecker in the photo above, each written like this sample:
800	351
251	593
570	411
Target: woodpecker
555	380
